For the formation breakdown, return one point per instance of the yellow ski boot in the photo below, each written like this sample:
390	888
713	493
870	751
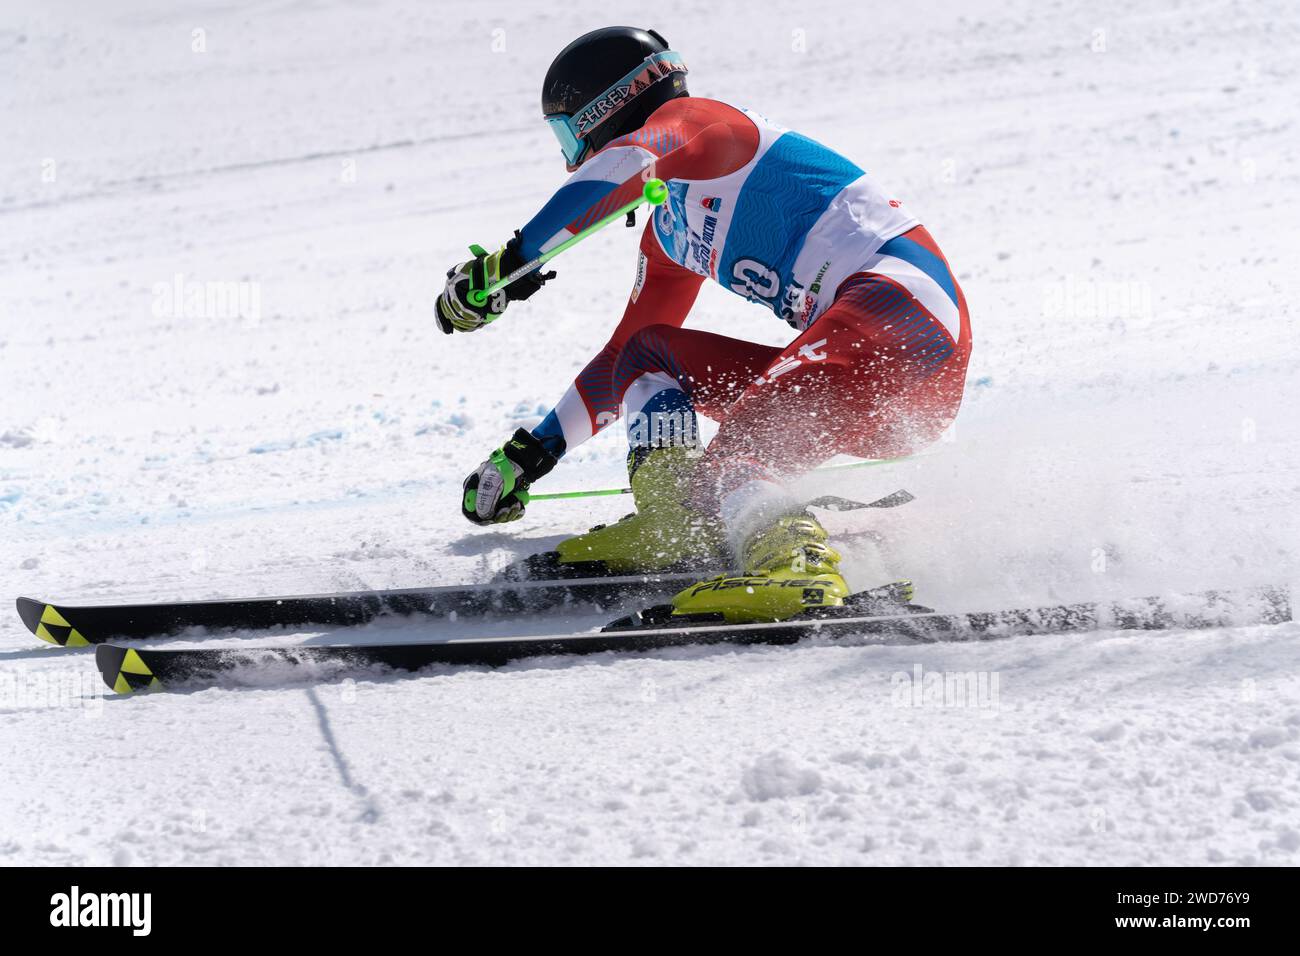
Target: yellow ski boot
789	570
663	535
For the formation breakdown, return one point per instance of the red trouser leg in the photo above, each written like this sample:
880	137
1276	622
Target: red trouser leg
713	370
876	376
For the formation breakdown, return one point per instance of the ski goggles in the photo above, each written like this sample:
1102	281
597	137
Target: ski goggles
572	130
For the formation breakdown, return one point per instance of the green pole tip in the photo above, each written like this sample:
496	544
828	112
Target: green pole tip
478	296
655	192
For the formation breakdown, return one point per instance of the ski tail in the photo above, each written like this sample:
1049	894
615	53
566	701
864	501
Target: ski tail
50	623
124	670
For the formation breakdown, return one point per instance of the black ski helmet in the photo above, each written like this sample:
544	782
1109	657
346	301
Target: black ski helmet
605	84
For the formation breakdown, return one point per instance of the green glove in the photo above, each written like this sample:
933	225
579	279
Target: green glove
498	489
455	310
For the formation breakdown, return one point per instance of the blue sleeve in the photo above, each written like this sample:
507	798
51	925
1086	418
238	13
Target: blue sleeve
565	207
551	435
585	197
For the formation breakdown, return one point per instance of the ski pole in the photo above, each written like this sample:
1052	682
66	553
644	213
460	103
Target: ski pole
601	492
596	493
655	192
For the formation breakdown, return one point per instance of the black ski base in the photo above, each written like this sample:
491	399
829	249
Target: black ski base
129	669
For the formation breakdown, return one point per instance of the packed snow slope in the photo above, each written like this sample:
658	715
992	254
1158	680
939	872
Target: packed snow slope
1117	186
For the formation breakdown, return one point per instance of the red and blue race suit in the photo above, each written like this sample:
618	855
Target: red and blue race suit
878	364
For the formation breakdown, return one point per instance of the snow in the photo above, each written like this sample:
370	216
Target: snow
1116	186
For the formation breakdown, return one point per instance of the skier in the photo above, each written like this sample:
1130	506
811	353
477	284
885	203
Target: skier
876	368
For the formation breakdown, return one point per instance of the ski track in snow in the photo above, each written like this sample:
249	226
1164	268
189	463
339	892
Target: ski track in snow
1146	445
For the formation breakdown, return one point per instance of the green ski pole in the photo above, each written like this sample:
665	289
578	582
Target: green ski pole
655	192
594	493
601	492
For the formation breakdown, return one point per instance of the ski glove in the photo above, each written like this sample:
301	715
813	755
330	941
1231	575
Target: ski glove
456	312
498	490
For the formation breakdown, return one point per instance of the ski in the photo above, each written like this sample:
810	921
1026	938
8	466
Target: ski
79	626
127	669
537	583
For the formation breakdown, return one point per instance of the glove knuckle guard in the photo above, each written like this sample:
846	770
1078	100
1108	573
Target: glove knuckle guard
489	492
530	461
